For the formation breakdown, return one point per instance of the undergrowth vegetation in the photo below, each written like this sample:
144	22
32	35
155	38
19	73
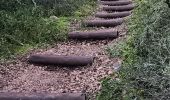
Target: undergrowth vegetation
28	23
145	73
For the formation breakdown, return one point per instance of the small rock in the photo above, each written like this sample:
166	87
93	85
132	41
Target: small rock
54	18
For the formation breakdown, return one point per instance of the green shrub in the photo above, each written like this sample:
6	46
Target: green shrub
17	31
145	73
27	23
44	7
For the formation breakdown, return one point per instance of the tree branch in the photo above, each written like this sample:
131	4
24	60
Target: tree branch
35	5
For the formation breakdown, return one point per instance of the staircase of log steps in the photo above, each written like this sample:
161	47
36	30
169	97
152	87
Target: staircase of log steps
112	14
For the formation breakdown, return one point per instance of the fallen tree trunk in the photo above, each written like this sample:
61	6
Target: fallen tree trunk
61	60
100	34
113	15
103	23
119	8
19	96
116	3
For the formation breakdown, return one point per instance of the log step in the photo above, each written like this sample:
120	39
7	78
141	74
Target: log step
119	8
116	3
113	15
36	96
109	0
103	22
60	60
100	34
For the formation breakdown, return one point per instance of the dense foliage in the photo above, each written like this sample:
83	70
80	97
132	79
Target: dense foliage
145	73
26	23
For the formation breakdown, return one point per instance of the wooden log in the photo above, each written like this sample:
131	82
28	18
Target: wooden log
100	34
113	15
119	8
103	23
61	60
116	3
109	0
36	96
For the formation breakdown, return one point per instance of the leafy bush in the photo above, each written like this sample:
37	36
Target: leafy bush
44	7
27	23
145	73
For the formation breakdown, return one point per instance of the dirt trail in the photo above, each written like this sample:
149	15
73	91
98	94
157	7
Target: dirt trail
19	76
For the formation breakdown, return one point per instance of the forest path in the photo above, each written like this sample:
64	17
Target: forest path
21	76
